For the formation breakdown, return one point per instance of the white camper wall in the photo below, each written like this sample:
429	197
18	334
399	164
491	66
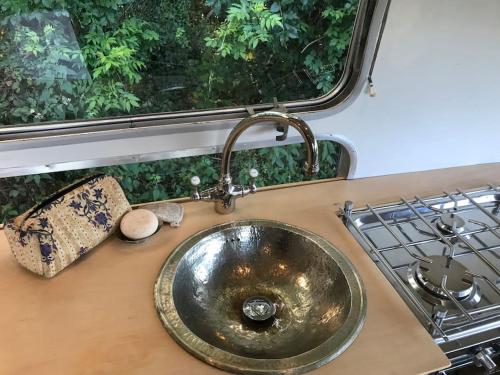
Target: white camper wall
437	78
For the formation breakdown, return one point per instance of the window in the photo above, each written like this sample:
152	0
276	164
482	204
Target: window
167	179
63	60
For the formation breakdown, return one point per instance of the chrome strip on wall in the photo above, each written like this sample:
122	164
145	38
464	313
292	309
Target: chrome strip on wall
347	167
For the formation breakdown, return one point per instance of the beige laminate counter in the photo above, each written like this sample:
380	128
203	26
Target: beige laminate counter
98	316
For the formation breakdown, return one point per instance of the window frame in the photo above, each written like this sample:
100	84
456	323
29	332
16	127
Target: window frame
366	17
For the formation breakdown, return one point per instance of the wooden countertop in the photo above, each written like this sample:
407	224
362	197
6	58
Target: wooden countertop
98	316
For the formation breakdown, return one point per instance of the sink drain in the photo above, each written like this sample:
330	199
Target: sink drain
259	309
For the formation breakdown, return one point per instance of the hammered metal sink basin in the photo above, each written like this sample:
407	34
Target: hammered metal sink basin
260	297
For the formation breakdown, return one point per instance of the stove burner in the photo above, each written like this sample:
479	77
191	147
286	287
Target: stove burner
426	278
463	318
449	221
430	276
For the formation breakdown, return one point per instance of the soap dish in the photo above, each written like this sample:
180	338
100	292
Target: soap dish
124	238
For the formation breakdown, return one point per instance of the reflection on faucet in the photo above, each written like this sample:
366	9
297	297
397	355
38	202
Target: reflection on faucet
225	193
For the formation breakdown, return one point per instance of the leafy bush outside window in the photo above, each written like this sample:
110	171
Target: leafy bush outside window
168	179
62	60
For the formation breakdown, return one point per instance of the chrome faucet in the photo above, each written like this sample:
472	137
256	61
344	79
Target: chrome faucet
225	193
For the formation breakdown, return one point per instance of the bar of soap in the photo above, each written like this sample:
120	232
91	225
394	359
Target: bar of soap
139	224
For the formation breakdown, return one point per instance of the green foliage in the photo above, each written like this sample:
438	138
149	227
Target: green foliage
52	74
62	60
247	24
116	62
326	63
39	61
167	179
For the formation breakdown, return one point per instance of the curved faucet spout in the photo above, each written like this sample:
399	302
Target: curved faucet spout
311	166
225	194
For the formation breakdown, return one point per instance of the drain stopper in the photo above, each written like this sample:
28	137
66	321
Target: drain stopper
259	309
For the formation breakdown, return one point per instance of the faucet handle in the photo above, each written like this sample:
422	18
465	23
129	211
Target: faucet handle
195	182
254	173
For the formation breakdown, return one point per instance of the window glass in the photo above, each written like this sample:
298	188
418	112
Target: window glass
167	179
85	59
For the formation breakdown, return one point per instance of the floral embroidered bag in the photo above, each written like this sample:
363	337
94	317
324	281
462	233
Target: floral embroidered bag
55	233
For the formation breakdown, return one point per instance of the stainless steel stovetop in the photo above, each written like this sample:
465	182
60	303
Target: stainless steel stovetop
442	255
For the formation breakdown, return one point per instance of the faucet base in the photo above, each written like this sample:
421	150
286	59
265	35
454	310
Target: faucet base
222	208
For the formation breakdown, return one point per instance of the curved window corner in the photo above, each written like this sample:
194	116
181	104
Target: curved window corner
92	64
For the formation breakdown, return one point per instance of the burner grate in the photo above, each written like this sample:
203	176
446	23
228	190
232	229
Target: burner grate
459	231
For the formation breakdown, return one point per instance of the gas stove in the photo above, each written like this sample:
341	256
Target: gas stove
442	255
